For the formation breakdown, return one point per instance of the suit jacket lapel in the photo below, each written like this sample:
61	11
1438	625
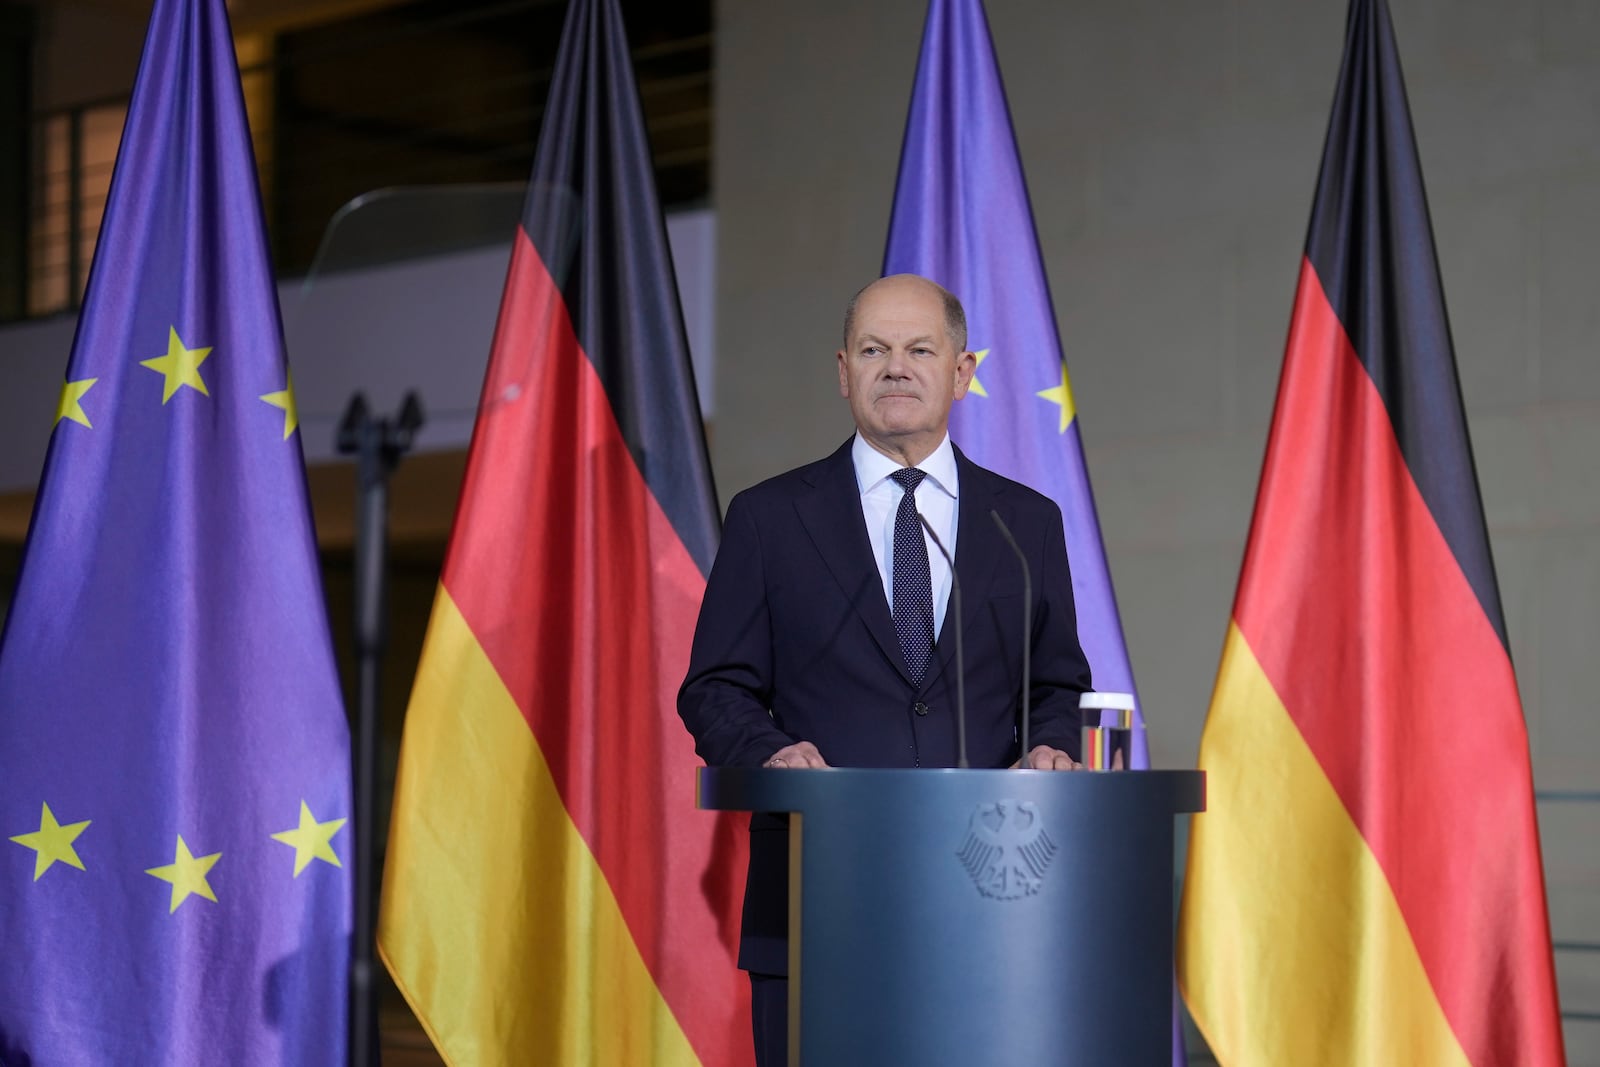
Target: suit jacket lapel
832	517
978	551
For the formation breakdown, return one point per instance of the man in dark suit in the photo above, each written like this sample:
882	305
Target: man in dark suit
823	638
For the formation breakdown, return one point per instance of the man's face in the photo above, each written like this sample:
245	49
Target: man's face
901	370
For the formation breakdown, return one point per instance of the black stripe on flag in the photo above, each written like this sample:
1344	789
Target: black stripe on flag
1371	244
594	217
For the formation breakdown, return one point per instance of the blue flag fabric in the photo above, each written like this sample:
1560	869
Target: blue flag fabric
962	218
174	757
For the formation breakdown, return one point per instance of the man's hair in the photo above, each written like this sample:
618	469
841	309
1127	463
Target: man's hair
955	316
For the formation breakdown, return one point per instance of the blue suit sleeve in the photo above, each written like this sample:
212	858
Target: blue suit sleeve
725	697
1060	669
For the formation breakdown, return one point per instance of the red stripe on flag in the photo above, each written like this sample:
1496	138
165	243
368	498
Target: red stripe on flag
1368	630
584	599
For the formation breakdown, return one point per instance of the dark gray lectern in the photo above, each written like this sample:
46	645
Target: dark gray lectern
975	918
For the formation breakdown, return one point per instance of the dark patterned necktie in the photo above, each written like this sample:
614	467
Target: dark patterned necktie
913	582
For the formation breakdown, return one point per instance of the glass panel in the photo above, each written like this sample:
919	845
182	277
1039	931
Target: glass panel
402	294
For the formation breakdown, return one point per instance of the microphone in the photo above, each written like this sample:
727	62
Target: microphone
1027	630
961	663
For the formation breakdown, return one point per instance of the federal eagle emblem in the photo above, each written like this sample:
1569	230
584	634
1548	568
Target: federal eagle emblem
1007	849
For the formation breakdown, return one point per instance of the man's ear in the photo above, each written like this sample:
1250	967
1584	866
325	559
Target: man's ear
966	367
844	375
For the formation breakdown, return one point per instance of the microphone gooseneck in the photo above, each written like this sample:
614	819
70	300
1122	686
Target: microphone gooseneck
961	663
1027	631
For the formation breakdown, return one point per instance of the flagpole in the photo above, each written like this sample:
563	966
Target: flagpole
378	444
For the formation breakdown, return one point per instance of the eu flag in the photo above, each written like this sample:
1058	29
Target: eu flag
174	768
961	217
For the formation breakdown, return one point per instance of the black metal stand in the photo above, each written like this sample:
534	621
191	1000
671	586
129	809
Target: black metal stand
378	444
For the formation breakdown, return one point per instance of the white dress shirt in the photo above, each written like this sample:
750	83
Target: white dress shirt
936	499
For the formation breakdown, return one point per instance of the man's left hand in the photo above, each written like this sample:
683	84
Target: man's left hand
1045	758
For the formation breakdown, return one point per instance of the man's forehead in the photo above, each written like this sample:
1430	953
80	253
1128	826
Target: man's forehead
906	313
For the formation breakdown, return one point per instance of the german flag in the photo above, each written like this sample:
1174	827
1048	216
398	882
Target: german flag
1366	885
551	895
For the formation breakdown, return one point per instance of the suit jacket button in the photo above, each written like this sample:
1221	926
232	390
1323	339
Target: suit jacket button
920	708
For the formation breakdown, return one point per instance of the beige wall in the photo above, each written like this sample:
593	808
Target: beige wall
1171	150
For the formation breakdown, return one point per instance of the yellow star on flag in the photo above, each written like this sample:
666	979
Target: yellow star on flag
284	398
1062	395
977	386
187	873
52	842
181	366
71	404
311	840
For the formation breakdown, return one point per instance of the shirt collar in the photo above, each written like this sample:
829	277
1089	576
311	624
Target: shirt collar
873	466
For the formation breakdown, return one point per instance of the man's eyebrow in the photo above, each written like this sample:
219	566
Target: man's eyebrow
872	338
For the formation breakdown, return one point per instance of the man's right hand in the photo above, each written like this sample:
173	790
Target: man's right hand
801	754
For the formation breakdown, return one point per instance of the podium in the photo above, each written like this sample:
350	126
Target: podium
966	918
